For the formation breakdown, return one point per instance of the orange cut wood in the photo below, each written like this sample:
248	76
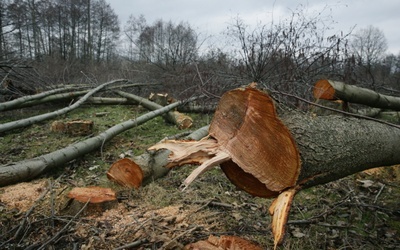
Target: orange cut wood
279	210
126	173
246	126
92	194
224	242
245	181
324	90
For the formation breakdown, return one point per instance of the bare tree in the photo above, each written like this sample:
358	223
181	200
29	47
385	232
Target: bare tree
289	54
368	46
169	46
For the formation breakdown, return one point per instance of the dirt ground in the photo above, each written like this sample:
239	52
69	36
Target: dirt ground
358	212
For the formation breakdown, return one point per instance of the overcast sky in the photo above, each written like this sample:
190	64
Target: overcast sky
213	16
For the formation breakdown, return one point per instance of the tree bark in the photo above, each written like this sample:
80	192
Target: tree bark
35	119
29	169
333	90
180	120
332	147
16	103
270	156
153	163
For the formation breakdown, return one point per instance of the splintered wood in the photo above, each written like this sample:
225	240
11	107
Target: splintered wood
254	148
245	133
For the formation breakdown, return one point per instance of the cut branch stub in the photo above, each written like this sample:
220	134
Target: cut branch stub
246	126
126	173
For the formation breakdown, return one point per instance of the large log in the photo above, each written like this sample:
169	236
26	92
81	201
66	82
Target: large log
335	90
270	156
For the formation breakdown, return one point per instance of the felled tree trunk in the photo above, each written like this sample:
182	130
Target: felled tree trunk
19	101
334	90
181	120
35	119
30	168
271	156
152	164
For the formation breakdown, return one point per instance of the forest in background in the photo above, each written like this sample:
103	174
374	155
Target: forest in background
47	43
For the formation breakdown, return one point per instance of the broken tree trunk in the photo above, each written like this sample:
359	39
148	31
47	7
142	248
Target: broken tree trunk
181	120
148	166
35	119
334	90
29	169
269	156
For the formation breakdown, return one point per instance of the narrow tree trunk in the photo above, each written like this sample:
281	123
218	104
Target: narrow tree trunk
29	169
32	120
109	101
180	120
16	103
333	90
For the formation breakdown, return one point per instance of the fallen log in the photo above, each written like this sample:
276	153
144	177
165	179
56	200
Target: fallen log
181	120
35	119
268	156
16	103
335	90
109	101
28	169
147	167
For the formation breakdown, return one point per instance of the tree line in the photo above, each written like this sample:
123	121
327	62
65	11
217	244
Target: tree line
83	29
62	39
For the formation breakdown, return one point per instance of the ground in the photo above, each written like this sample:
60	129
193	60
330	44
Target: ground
361	211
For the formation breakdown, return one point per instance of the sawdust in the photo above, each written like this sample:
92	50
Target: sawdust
22	196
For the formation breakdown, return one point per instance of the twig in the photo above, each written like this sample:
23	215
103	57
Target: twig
379	193
64	228
180	235
132	244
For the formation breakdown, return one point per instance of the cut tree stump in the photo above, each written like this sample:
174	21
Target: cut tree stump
75	128
271	156
98	200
